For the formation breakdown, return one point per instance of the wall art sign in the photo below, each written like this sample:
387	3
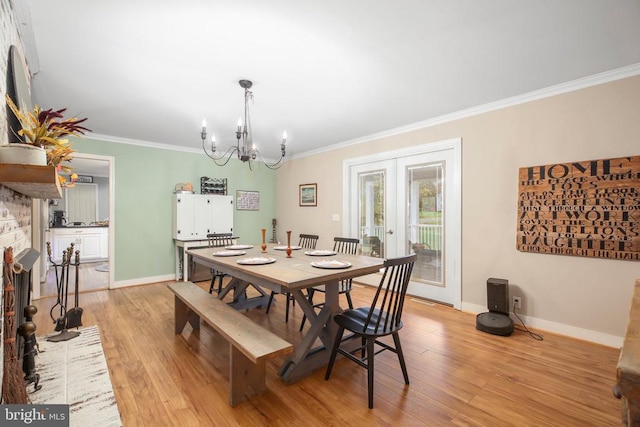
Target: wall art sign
84	179
588	208
247	200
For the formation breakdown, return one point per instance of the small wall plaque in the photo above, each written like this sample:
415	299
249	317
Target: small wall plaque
84	179
247	200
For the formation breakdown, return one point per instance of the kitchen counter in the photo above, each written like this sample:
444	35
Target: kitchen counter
79	226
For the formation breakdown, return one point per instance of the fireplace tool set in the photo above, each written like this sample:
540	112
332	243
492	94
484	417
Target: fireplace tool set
30	348
68	318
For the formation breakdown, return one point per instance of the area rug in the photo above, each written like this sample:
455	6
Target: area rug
102	267
75	372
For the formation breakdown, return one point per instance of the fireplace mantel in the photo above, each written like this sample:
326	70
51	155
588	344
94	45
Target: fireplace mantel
38	182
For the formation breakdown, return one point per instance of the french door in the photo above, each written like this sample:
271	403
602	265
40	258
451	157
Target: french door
408	201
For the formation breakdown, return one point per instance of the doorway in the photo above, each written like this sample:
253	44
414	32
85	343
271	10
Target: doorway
89	208
409	201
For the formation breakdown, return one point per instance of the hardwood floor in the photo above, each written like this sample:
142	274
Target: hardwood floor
459	376
89	279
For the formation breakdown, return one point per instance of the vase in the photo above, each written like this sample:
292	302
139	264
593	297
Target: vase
264	242
288	244
23	154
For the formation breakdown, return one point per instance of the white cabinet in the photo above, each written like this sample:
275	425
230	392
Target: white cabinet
90	246
196	215
92	242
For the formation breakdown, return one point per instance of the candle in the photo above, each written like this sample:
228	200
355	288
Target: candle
239	125
284	137
204	125
213	142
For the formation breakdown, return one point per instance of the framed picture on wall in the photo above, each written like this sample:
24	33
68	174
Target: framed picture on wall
308	195
247	200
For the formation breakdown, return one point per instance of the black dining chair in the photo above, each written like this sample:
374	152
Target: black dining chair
217	241
343	245
307	241
382	318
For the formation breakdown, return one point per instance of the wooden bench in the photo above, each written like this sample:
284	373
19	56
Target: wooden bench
250	345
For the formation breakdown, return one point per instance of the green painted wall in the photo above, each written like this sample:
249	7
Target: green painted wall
145	179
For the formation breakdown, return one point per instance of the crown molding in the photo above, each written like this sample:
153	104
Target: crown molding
141	143
155	145
571	86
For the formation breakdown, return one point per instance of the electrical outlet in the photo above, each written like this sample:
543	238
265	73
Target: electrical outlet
517	302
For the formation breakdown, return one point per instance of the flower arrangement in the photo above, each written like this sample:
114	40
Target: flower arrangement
47	129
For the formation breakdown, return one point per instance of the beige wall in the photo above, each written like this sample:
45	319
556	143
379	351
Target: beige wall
583	297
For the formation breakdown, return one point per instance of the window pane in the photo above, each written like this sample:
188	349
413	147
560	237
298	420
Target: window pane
371	213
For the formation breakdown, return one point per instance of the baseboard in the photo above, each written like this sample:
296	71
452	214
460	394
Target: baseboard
143	281
557	328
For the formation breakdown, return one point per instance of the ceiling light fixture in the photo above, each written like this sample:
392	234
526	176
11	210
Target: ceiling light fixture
245	148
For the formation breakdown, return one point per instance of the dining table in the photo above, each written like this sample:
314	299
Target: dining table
250	267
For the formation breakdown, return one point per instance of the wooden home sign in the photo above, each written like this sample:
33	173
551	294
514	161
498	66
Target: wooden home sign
589	209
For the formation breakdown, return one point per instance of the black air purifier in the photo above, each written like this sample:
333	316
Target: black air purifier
497	320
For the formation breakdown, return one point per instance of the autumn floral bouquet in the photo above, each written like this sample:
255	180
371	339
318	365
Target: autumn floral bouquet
48	129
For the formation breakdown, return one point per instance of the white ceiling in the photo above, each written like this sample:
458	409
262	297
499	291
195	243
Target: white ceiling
326	71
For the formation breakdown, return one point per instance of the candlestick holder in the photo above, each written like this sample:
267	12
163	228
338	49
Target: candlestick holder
288	244
264	242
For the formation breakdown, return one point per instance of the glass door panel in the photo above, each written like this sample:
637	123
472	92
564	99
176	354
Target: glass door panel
425	219
371	212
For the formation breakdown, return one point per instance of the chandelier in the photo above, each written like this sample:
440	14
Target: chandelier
245	149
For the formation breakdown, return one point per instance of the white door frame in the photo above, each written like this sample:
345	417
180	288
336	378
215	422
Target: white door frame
112	208
454	238
40	224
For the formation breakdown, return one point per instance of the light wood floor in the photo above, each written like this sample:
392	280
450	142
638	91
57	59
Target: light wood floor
89	279
459	376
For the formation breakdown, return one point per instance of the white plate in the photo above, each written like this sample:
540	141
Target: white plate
331	263
258	260
238	247
320	252
229	253
284	248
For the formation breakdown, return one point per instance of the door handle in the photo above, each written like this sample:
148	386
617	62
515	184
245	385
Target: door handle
390	232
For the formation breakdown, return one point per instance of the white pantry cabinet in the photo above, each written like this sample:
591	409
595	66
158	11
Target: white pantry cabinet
196	215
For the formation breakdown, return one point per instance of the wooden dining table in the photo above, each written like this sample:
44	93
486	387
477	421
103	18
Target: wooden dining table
293	275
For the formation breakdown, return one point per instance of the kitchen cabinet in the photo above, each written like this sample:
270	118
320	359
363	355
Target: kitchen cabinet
92	242
196	215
